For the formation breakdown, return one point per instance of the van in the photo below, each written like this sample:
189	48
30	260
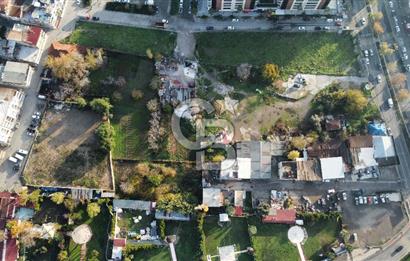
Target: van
390	103
13	159
22	152
19	157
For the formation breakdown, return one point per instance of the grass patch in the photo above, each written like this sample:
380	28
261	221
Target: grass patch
123	39
271	242
317	53
235	233
186	249
154	254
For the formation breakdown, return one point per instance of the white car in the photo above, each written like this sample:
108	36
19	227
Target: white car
363	21
326	28
404	49
366	53
405	56
391	4
397	29
235	20
301	28
367	61
230	27
379	78
165	21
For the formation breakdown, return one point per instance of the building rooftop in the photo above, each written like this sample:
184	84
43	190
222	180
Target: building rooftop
24	33
212	197
383	147
171	215
307	170
227	253
259	153
332	168
239	196
10	104
132	204
282	216
15	73
363	141
363	158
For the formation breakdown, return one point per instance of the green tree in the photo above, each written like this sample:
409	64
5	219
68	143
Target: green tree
101	105
81	102
356	102
298	142
93	209
35	198
376	16
57	197
174	202
253	230
293	154
23	197
105	133
271	72
69	203
62	255
95	256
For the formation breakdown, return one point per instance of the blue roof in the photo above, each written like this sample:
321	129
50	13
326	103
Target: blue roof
376	129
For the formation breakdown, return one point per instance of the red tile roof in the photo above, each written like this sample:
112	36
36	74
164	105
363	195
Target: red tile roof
11	250
8	204
283	216
119	242
57	48
33	35
238	211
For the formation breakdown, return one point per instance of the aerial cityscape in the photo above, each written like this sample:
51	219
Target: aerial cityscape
209	130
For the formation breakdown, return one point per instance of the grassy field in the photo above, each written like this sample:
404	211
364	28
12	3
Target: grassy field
271	241
123	39
155	254
187	247
236	233
316	53
131	117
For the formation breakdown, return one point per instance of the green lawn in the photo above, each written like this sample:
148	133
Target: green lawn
271	242
187	247
123	39
406	258
155	254
131	118
235	233
316	53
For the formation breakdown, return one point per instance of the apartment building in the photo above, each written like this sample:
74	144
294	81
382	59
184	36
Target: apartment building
232	5
304	4
11	102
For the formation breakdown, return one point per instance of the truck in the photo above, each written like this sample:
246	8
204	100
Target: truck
161	25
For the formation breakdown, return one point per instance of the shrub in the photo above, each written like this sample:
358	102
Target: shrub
81	102
202	237
101	105
93	209
116	96
162	229
105	133
137	95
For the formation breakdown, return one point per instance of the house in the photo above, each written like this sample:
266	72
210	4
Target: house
56	49
306	170
332	148
31	35
15	74
254	159
384	151
132	204
19	52
281	216
212	197
361	152
332	168
11	102
8	205
159	214
334	123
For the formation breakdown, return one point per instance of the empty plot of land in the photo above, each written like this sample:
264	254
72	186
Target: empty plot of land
67	152
123	39
315	53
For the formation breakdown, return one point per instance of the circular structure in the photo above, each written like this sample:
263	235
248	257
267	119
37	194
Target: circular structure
296	235
82	234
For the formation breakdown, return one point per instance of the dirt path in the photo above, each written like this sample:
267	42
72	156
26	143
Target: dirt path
186	45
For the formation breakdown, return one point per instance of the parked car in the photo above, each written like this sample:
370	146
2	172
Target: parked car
371	52
390	102
95	18
344	195
365	200
230	27
326	28
382	199
318	28
379	78
301	28
22	152
235	20
367	61
375	200
361	200
356	201
397	250
370	200
17	166
366	53
363	21
388	129
209	28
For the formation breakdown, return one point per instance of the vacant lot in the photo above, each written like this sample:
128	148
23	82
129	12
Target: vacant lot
271	241
123	39
66	152
234	233
187	244
315	53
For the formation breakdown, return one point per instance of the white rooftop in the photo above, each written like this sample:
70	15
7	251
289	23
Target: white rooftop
212	197
10	104
244	168
223	217
332	168
383	147
228	169
365	158
227	253
15	72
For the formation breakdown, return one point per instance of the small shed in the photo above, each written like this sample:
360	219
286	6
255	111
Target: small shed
223	218
332	168
227	253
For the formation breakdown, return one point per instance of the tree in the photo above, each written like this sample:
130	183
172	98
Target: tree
253	230
356	102
57	197
293	154
398	79
317	122
95	256
105	133
62	255
101	105
378	28
376	16
243	71
298	142
218	158
174	202
149	53
403	95
81	102
93	209
69	203
94	58
35	198
155	83
23	197
17	227
270	72
152	105
230	210
137	95
392	67
385	49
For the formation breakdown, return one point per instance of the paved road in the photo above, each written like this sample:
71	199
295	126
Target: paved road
9	179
